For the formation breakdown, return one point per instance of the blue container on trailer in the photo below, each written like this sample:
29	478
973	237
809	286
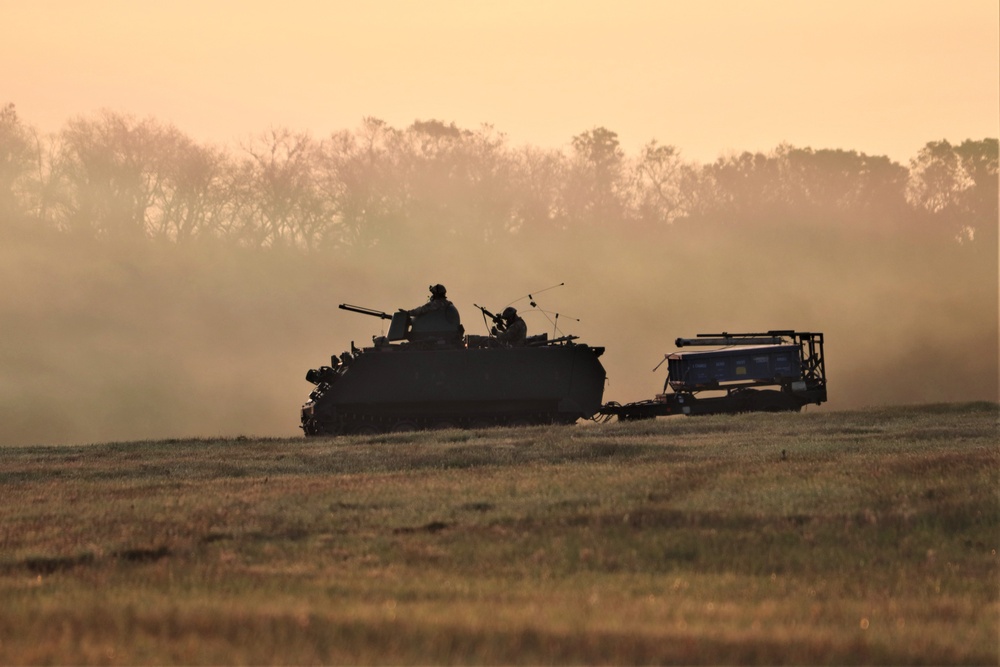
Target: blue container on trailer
710	368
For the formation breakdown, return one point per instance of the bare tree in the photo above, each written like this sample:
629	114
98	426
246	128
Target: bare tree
958	185
363	182
536	184
111	173
594	190
279	201
657	183
20	154
189	199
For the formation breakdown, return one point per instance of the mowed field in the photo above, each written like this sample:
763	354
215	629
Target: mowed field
867	536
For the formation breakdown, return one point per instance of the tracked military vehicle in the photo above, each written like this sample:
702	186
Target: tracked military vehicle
426	373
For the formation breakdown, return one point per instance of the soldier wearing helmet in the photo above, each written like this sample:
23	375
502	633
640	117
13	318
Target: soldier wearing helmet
438	300
515	331
438	319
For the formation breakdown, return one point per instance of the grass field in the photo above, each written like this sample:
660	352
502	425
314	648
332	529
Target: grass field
818	538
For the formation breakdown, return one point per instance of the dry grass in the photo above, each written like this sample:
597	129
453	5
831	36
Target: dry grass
824	538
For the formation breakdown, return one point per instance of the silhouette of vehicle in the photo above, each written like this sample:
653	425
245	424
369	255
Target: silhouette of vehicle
425	373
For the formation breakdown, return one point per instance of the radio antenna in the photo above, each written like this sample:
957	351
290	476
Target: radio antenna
551	316
530	296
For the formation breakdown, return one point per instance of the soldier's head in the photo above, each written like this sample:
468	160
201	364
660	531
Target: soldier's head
509	313
438	291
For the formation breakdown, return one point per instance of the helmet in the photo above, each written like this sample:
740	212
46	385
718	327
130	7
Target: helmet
509	313
437	290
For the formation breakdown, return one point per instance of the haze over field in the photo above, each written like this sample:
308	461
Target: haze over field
172	266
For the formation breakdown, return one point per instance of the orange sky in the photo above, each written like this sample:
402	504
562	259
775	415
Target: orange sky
878	76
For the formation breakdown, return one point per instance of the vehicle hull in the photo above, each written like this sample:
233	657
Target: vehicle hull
396	388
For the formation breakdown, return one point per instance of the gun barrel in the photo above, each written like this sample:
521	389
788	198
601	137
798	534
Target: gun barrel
365	311
496	318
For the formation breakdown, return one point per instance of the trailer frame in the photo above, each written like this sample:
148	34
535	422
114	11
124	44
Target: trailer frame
770	394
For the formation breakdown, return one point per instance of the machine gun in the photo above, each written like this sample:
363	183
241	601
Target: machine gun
365	311
497	320
399	326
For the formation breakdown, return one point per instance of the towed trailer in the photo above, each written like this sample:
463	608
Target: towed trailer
774	371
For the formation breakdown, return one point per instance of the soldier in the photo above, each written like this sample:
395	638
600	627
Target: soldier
436	319
437	301
516	330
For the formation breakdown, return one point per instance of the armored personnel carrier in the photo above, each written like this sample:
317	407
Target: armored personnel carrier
426	373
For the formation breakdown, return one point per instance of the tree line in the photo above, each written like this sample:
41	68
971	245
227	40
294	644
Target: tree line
113	176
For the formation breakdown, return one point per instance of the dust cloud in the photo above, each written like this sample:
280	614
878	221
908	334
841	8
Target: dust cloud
108	342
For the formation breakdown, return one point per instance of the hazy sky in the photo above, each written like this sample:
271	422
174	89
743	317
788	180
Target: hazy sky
882	77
